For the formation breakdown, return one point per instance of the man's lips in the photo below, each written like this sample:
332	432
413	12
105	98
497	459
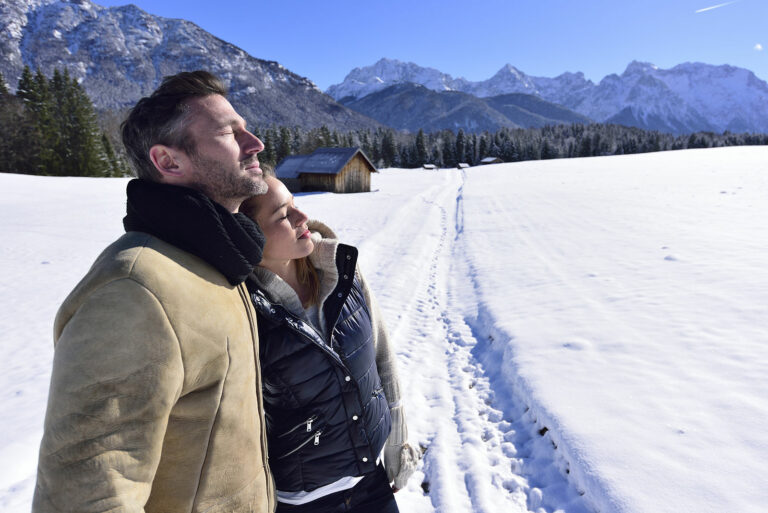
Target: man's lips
251	164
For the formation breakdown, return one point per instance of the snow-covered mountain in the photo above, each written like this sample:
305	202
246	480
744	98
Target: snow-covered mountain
387	72
412	107
689	97
122	53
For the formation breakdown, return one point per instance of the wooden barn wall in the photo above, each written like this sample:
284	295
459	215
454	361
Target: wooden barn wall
312	182
292	184
354	177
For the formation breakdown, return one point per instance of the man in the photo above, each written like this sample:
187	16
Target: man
155	399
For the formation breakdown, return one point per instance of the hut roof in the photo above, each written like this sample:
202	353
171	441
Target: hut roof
289	167
324	161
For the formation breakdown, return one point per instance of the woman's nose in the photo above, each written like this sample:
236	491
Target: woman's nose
300	216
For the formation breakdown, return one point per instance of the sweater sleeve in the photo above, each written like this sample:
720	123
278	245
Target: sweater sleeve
387	367
117	372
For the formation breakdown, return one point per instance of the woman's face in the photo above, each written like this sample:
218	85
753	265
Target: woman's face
284	226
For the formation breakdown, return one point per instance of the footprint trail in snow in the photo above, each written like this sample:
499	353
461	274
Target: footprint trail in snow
483	452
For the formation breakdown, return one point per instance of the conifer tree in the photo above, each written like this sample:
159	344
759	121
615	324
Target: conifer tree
482	147
4	93
81	138
116	166
449	152
388	149
283	145
324	136
20	141
461	146
365	144
421	148
296	141
66	134
268	155
25	87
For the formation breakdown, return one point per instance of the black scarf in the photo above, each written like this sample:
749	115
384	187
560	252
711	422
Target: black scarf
188	219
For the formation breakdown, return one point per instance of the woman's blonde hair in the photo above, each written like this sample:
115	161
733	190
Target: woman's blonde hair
307	275
305	271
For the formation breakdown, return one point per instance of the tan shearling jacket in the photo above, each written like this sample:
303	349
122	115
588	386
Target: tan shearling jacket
155	398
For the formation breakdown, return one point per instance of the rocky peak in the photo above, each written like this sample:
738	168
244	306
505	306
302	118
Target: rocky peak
122	53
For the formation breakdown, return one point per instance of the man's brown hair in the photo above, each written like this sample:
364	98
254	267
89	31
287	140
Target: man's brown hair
159	118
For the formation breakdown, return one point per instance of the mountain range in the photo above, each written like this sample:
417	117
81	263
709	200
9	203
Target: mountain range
122	53
689	97
411	107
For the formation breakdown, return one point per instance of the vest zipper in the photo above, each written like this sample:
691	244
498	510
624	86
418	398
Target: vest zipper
294	325
307	423
315	436
307	331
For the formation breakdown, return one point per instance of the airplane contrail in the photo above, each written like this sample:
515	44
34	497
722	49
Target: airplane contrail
715	7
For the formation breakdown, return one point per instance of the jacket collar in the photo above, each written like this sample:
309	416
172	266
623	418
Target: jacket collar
323	258
188	219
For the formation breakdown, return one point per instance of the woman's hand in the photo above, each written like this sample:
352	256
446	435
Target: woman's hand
400	462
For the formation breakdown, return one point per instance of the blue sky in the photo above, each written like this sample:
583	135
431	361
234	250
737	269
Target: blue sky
325	40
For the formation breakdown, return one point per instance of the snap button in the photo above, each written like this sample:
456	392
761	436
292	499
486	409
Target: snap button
349	257
354	417
272	310
346	276
365	459
347	378
339	294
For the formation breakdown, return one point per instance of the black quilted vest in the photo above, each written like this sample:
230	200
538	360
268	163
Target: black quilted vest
326	414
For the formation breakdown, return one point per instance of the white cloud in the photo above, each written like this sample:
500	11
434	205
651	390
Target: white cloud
715	6
759	47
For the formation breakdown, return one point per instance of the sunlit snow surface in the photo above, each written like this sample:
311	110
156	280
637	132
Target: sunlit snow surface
573	335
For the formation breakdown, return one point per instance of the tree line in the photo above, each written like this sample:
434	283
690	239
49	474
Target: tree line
389	148
50	127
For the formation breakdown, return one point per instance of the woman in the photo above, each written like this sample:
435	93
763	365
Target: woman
331	393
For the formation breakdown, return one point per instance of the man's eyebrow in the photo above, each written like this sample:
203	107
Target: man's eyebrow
231	123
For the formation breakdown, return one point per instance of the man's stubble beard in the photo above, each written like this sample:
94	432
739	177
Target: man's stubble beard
223	185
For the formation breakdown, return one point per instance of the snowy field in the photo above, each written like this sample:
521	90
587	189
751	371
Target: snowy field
586	335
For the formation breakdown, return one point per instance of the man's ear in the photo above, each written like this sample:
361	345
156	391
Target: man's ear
166	161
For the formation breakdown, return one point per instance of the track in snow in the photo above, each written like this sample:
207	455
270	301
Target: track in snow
483	450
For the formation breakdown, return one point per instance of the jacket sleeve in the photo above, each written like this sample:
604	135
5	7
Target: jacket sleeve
386	365
400	459
117	372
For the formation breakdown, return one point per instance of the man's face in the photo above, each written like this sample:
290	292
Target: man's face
224	165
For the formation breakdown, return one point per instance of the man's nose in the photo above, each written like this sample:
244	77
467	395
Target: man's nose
252	144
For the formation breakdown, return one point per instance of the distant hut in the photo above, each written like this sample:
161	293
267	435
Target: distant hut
327	169
288	171
430	166
491	160
462	165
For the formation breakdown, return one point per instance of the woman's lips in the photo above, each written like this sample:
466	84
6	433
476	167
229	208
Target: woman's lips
304	235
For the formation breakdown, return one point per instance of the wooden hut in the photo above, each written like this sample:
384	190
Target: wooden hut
431	167
491	160
462	165
327	169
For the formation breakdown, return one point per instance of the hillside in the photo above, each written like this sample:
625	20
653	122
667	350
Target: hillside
122	53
